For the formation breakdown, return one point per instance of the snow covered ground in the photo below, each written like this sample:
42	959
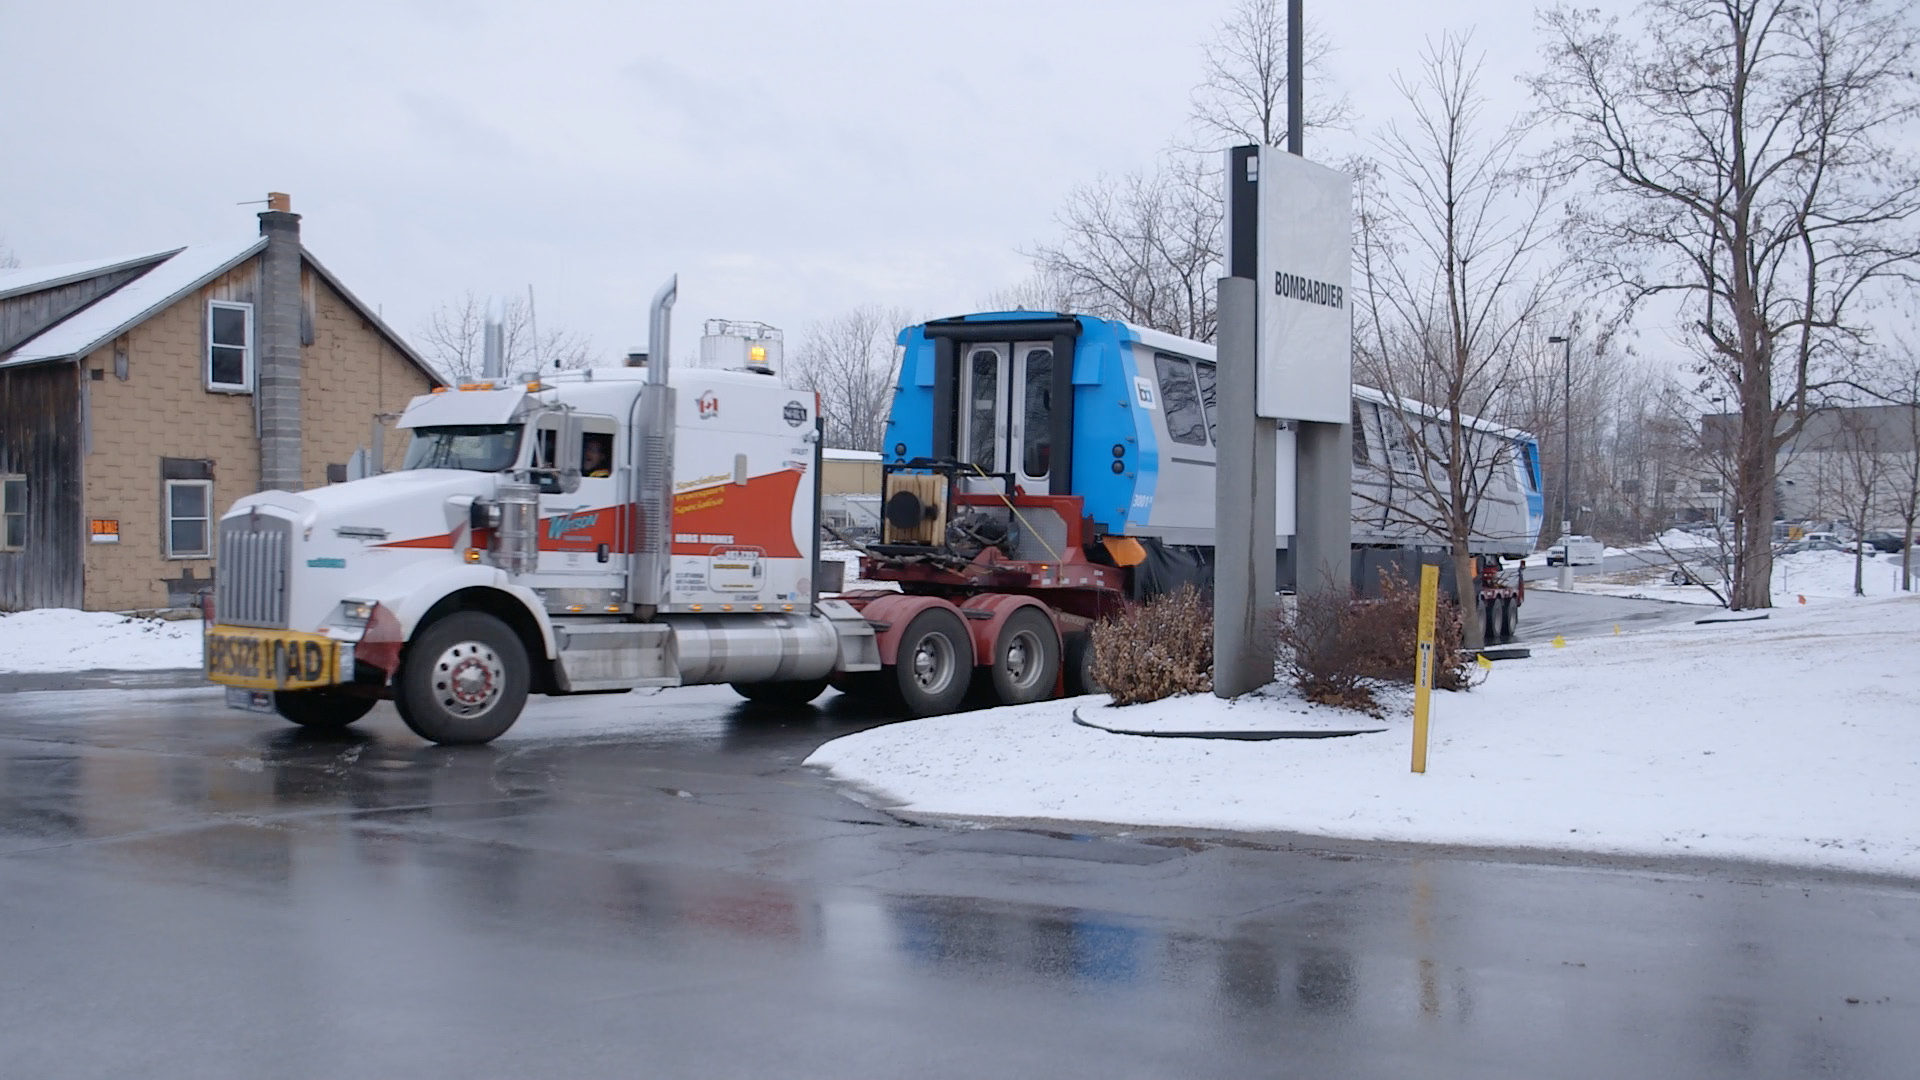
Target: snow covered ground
61	639
1801	577
1795	739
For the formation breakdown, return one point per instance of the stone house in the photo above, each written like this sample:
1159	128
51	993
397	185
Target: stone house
140	396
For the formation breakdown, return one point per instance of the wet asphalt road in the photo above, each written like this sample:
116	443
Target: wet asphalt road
652	886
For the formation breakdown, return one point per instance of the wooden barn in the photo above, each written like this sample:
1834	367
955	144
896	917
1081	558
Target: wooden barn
140	396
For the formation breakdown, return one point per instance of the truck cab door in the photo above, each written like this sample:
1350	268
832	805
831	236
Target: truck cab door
585	533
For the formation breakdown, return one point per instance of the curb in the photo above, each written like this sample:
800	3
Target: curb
1239	736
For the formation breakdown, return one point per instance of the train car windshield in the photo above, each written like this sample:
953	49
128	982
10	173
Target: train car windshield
476	447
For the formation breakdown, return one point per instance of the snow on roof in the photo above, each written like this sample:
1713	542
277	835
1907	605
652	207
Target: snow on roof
850	455
185	270
27	279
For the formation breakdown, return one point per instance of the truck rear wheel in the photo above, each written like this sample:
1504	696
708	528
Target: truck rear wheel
322	710
1079	665
1509	618
464	680
934	663
783	692
1026	658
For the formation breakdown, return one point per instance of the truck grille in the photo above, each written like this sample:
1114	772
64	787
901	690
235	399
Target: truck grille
251	583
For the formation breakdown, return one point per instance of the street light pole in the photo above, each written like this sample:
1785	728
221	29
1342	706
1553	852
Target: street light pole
1566	469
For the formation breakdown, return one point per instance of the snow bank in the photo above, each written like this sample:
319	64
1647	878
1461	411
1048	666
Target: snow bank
1795	739
1681	540
62	639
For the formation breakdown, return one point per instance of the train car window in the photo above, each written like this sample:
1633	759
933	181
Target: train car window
1205	371
1180	400
1395	437
983	407
1038	426
1360	456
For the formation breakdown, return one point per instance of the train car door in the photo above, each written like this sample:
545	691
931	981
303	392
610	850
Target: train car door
1030	435
983	419
1007	423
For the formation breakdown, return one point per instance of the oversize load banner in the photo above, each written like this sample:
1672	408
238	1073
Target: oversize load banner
1306	313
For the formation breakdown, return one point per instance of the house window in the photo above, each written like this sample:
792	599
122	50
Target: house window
189	510
1710	485
229	346
13	513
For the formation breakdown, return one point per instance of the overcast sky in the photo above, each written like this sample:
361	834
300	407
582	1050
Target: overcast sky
789	160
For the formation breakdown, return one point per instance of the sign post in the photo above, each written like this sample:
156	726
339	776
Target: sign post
1423	663
1286	360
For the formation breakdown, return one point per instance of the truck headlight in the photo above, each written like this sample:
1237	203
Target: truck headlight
356	612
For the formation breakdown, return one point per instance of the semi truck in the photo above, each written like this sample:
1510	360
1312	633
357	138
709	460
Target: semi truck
607	529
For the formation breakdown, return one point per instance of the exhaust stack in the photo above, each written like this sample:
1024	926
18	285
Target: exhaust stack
653	424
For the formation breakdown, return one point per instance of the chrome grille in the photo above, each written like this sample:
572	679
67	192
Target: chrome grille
251	577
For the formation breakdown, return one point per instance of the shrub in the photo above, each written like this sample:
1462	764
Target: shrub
1336	650
1156	649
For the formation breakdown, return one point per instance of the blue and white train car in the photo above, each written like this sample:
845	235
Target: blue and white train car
1124	418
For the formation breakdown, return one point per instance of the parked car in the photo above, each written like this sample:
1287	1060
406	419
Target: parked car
1885	541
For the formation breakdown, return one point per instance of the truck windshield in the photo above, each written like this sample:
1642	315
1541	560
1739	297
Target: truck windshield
479	447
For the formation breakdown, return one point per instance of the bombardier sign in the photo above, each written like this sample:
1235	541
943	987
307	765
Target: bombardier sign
1305	263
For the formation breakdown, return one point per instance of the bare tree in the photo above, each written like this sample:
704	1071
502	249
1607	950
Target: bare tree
1452	280
1043	290
1144	248
1898	385
1741	152
852	363
1243	96
8	260
455	334
1852	476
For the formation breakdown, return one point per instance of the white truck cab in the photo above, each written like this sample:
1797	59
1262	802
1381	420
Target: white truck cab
598	530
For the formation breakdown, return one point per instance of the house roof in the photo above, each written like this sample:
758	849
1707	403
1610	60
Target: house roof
183	271
187	269
28	279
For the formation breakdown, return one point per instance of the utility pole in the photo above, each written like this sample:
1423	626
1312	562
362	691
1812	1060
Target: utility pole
1566	468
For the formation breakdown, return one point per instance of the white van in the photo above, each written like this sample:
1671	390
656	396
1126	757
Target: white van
1576	551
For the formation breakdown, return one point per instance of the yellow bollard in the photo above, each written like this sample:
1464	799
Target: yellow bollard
1616	629
1559	642
1423	662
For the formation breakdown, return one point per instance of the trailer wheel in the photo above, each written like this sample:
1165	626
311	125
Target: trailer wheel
1079	665
1508	617
322	710
1487	621
783	692
464	680
1026	658
934	663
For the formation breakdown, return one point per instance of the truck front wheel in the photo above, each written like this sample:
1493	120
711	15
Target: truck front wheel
464	680
322	710
935	663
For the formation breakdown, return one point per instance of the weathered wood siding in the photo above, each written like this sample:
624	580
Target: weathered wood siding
26	315
40	437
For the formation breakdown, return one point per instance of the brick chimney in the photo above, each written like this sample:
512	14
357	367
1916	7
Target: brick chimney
277	378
